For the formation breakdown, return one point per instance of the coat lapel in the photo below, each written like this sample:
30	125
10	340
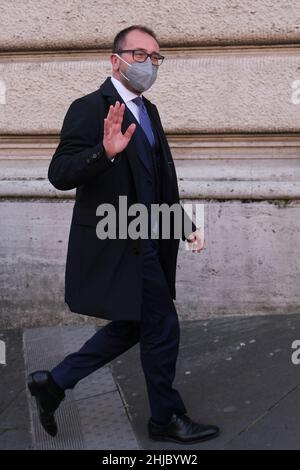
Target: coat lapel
166	163
154	120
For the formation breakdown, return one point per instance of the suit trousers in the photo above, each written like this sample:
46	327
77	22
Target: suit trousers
158	333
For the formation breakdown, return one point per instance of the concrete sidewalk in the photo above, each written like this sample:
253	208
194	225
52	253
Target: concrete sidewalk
235	372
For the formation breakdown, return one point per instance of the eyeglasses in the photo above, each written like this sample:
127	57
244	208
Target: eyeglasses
139	55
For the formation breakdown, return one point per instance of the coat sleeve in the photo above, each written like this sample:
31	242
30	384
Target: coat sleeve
185	217
80	154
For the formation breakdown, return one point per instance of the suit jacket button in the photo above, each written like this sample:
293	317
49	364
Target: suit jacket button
136	250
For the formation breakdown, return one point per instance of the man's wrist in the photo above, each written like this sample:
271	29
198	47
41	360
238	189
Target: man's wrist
107	156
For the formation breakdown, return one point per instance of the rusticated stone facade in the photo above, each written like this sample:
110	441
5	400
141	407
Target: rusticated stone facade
228	98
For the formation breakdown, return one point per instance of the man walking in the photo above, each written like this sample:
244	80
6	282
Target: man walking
112	144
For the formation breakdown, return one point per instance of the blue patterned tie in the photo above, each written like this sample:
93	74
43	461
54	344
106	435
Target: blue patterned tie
144	119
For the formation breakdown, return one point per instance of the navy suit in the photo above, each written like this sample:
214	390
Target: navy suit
158	330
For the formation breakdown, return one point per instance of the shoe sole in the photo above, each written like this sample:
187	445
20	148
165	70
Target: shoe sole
195	441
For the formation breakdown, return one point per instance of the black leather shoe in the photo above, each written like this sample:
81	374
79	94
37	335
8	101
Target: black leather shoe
183	430
48	396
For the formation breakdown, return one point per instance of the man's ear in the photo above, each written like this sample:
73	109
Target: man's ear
113	60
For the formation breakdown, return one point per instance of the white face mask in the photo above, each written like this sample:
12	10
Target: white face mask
140	75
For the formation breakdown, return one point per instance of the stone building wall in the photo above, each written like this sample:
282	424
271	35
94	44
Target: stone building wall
228	99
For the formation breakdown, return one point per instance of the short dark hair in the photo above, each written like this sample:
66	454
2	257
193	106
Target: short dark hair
121	35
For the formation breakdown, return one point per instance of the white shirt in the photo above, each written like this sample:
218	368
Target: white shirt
127	96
